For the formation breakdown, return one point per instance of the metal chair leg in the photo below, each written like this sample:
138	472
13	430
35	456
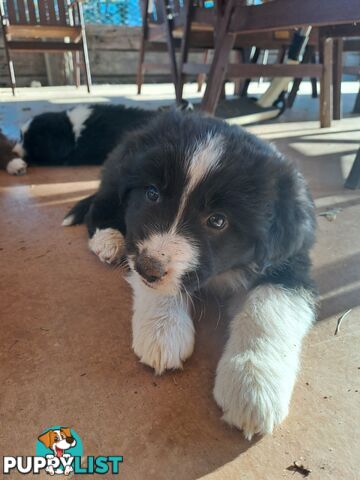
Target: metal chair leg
11	69
76	61
87	66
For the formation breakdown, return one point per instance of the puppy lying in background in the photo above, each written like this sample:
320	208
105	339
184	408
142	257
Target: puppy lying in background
83	135
9	160
195	203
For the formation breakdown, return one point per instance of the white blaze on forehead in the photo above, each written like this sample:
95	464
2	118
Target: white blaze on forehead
201	161
78	117
204	159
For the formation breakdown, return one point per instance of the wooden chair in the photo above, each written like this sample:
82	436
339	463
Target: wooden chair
247	48
239	19
164	25
44	26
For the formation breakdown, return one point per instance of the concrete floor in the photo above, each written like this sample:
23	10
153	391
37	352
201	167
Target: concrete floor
65	355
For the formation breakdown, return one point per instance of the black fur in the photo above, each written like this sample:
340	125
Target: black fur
49	139
271	222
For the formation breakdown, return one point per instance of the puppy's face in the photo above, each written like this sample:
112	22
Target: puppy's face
194	206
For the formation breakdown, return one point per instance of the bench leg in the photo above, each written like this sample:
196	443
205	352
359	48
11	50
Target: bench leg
217	74
326	115
144	33
140	69
76	62
10	68
337	76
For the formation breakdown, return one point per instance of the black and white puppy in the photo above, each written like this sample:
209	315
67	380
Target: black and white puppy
83	135
196	203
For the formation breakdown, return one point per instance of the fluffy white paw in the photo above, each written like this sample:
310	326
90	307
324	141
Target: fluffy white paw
164	343
16	166
107	244
251	396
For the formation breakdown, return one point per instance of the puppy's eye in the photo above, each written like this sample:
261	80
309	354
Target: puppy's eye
152	194
217	221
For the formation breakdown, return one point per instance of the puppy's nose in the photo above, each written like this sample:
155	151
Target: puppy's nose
150	268
70	439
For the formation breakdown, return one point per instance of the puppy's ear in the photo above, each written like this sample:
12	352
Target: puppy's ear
66	431
47	438
291	222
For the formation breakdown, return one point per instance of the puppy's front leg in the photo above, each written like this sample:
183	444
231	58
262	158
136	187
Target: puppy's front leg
104	222
163	332
107	244
256	374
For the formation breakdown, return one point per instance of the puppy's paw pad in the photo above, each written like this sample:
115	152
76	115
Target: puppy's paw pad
250	403
16	166
107	244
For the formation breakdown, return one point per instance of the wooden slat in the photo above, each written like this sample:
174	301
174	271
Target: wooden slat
51	12
155	32
248	70
22	12
32	12
43	31
341	30
290	14
274	70
44	46
159	67
351	70
63	17
190	68
43	12
352	45
11	11
204	16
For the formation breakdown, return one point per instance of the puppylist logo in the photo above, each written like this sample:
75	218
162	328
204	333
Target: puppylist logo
59	451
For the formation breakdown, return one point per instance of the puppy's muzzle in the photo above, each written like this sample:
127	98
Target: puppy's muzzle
150	268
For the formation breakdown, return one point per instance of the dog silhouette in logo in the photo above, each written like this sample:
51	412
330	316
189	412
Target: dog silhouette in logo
58	441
